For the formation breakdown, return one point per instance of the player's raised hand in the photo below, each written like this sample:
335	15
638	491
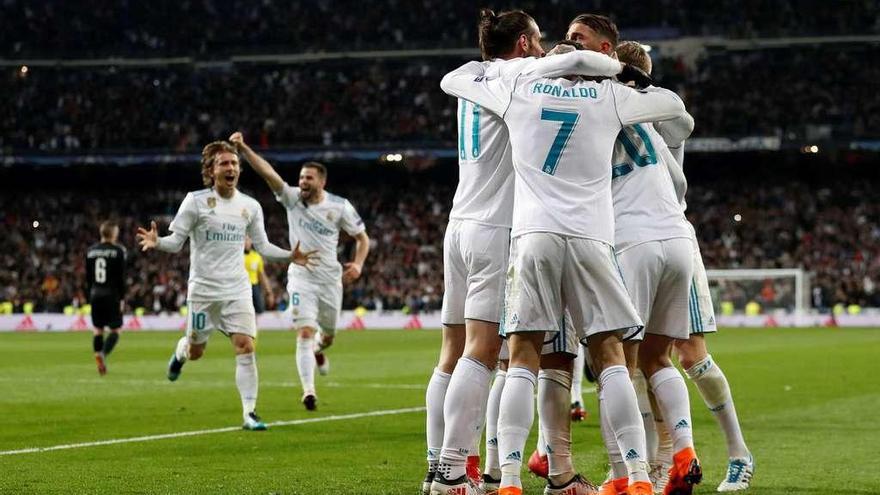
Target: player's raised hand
307	259
352	272
237	139
148	239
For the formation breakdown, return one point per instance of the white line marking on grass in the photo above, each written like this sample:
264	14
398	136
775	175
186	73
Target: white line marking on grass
150	438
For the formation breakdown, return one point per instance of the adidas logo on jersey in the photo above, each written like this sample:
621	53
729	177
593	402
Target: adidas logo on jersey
632	455
682	424
493	442
515	456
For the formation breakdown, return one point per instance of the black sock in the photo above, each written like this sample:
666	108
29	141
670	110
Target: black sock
110	343
98	343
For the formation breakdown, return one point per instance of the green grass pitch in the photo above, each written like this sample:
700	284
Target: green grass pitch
808	400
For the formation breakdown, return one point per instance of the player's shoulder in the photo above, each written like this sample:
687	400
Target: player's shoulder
200	193
335	199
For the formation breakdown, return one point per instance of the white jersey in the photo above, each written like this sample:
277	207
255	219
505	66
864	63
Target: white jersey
485	178
317	227
216	228
562	135
485	171
645	204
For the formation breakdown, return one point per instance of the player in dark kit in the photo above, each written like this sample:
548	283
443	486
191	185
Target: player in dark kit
105	283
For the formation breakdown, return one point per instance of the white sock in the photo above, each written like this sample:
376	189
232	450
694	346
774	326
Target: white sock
641	387
514	422
493	467
540	445
435	396
555	424
713	386
577	377
320	345
664	440
247	381
181	352
672	397
463	413
619	400
305	363
618	468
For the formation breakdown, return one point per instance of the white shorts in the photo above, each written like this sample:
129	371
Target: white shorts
701	312
236	316
474	264
566	342
658	277
551	273
314	305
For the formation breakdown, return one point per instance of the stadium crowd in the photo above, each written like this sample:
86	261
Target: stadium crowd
832	231
50	29
375	102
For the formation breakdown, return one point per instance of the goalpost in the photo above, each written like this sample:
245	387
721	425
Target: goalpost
773	290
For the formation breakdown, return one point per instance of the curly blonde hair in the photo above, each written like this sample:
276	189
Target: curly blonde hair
210	152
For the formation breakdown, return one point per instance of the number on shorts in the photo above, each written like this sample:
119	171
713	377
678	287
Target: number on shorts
199	321
569	120
633	151
294	298
100	270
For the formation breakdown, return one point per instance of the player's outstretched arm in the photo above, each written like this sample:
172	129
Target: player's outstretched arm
257	232
149	239
652	104
362	249
574	62
263	168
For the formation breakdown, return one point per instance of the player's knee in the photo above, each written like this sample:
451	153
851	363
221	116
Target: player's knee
306	332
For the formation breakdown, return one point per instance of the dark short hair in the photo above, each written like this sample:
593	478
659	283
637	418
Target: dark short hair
322	170
603	25
499	33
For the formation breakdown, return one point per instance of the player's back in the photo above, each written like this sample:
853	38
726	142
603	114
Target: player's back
562	134
646	207
105	269
485	174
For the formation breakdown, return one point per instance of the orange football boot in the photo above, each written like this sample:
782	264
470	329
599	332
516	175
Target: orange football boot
684	473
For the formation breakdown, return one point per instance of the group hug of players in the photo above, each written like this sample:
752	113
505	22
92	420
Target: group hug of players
568	229
219	222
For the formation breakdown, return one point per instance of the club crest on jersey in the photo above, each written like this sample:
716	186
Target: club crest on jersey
212	202
245	214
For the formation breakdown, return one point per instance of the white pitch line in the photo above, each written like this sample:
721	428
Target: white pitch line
150	438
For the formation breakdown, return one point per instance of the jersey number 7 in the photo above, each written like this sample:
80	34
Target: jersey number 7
569	121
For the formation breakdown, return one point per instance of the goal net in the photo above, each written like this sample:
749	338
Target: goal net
759	291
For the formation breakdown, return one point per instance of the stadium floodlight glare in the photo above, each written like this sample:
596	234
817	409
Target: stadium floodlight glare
393	157
24	69
36	223
737	218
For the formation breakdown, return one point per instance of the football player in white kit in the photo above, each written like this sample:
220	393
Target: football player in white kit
314	217
475	257
216	221
654	247
693	354
562	133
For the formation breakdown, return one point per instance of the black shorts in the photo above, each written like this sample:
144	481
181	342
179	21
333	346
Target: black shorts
105	312
259	303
